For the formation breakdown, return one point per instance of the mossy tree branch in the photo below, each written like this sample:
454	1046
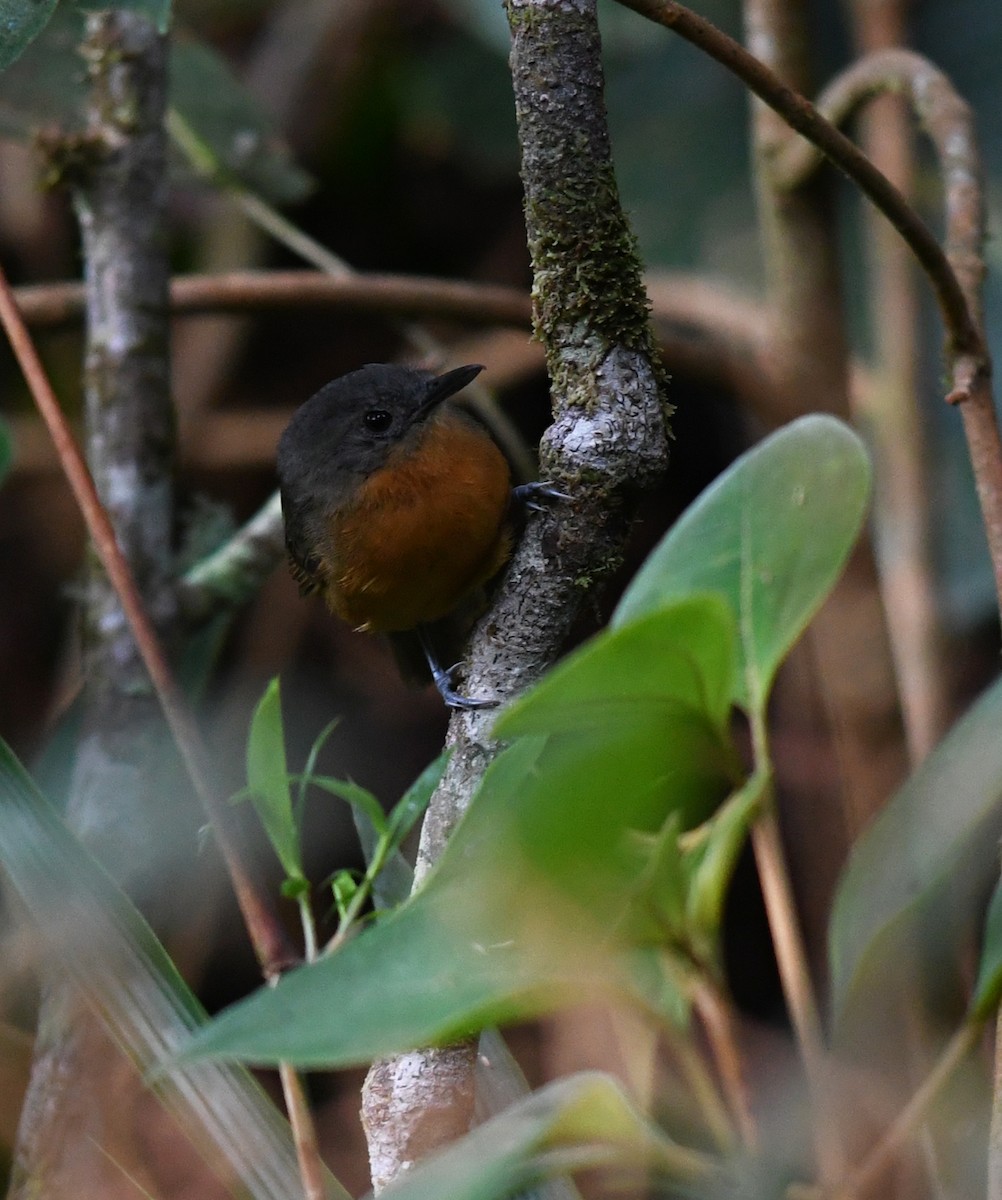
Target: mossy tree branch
608	442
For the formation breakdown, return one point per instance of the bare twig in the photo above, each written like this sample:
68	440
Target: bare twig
304	1133
718	1020
56	304
607	443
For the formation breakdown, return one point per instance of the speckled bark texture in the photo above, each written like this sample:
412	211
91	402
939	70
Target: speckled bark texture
119	191
83	1096
608	442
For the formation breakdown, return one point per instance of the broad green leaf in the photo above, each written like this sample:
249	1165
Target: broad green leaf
419	977
268	780
988	989
770	536
92	933
21	21
941	829
681	654
582	1121
234	135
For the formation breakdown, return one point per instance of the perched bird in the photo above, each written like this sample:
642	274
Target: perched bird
398	506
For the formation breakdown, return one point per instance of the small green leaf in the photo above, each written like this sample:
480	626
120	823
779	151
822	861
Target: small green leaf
344	887
770	536
268	780
988	989
395	878
21	21
656	896
939	831
295	887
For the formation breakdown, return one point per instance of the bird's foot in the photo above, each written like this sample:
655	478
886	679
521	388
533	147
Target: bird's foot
537	496
444	682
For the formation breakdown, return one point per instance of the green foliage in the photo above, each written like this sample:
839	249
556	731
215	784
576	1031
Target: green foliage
89	929
538	884
924	866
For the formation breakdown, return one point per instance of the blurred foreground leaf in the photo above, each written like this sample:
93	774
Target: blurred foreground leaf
232	127
939	831
579	1122
90	931
770	536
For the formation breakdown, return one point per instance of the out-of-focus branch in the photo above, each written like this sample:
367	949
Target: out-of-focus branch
891	411
607	443
948	121
56	304
802	116
267	932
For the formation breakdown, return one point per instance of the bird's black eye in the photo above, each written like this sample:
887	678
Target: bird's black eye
378	420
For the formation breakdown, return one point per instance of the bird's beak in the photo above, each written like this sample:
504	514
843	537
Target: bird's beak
444	386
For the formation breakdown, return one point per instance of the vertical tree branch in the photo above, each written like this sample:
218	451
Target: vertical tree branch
119	197
607	443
